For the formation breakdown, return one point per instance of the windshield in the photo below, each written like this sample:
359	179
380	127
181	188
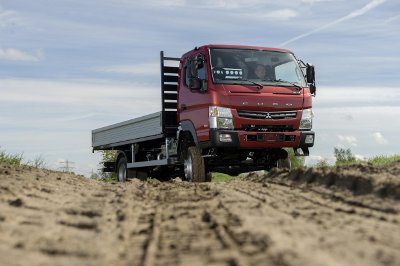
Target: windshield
244	66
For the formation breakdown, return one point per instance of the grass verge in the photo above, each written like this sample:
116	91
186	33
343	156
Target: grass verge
220	177
384	160
107	179
10	159
380	160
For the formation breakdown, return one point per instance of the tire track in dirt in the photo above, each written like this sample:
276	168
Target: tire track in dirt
328	218
328	200
52	218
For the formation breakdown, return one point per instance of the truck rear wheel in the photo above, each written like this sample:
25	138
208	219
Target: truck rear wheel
122	169
194	167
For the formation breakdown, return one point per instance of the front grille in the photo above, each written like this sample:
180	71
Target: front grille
269	137
267	115
269	128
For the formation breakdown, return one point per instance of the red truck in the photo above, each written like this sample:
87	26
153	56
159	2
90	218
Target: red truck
226	108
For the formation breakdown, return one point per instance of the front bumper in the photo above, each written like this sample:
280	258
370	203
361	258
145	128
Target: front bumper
248	140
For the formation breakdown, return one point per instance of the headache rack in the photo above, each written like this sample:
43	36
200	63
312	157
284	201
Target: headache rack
169	94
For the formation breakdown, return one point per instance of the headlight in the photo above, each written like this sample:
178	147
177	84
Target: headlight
220	117
306	119
220	111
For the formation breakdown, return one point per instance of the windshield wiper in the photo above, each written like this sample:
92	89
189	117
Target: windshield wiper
299	88
259	86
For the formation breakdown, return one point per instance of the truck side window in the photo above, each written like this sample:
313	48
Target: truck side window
201	72
187	73
200	67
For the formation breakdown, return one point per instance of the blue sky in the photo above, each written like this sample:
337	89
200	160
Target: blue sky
68	66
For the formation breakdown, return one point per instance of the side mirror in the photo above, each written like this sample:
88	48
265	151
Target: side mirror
313	89
195	64
310	75
197	77
199	61
193	69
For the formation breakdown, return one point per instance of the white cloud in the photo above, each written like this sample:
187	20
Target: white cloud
328	97
227	4
378	138
281	14
80	93
146	69
356	13
255	8
348	140
348	117
8	18
319	1
169	3
391	19
12	54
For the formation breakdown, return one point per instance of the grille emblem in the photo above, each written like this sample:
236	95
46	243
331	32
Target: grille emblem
268	116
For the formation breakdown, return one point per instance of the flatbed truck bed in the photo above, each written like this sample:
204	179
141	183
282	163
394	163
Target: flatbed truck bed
132	131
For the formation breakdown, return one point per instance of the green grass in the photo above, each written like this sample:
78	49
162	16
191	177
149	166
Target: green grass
10	159
380	160
152	180
377	160
384	159
107	179
220	177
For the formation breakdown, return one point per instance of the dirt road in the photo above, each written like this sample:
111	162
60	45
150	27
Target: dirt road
349	216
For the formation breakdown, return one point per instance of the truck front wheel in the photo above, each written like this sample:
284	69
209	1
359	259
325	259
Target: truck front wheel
194	167
284	163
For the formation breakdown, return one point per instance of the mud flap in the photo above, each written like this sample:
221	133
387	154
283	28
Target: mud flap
303	151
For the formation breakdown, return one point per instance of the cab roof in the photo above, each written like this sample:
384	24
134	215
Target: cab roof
232	46
244	47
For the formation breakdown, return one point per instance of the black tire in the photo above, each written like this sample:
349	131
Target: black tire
194	167
284	163
122	170
208	177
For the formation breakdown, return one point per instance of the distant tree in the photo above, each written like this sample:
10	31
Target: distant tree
106	156
322	164
344	156
38	162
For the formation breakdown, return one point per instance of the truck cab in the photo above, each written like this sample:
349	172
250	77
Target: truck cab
246	103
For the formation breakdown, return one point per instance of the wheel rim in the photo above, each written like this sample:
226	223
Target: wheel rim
122	173
188	168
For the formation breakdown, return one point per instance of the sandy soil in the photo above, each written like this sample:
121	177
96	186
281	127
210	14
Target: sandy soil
347	216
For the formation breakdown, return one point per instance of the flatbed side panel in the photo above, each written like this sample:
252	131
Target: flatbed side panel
145	126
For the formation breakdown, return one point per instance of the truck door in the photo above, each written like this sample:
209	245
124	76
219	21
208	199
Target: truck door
194	97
